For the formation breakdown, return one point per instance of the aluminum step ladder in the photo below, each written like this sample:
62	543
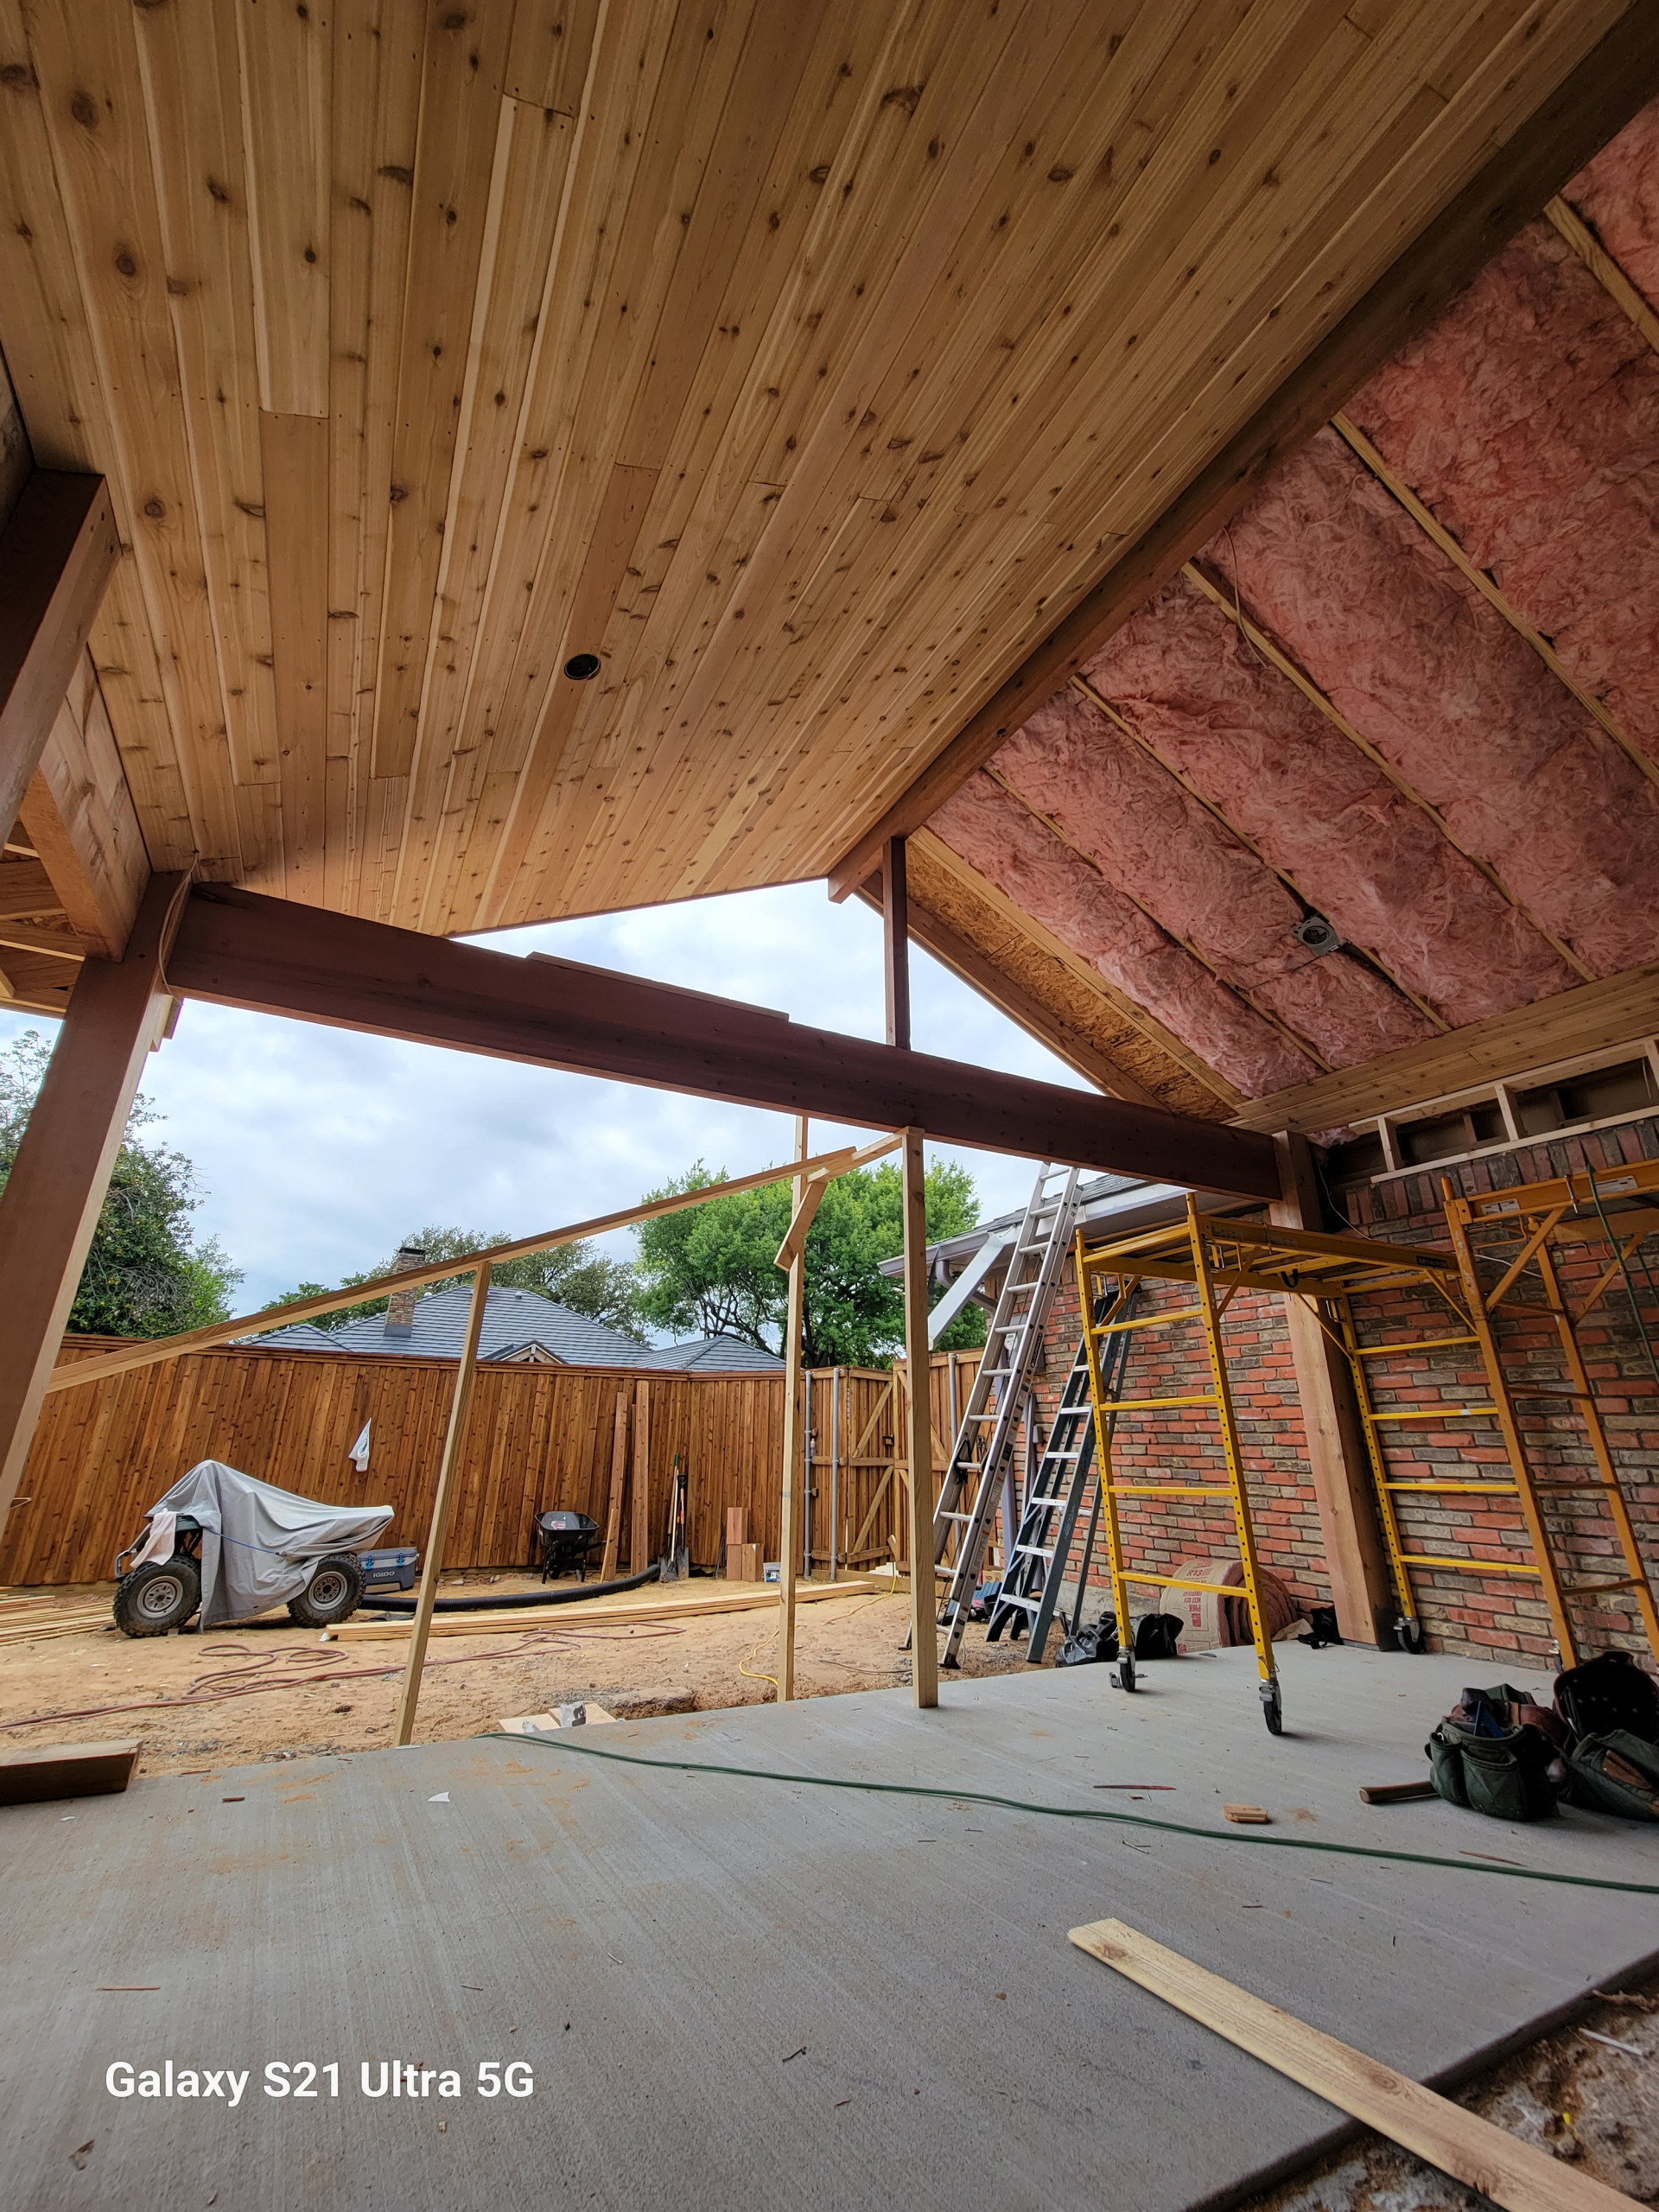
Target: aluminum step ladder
1032	1582
982	1453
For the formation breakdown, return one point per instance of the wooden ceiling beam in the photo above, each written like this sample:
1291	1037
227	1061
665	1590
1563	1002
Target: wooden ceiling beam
235	948
56	555
1591	104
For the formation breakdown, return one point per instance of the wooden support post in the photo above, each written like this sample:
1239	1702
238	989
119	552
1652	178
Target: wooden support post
449	1473
54	1192
925	1635
57	554
1355	1558
619	1481
640	1541
794	1328
895	941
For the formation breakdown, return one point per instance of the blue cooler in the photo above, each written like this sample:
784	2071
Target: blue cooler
392	1570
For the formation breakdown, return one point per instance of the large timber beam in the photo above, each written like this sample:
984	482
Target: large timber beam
57	554
237	948
53	1197
1614	80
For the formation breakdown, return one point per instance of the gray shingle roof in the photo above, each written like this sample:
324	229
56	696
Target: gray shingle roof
512	1320
723	1355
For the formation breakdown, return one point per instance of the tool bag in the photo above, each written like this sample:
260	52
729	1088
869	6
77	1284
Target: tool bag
1618	1772
1484	1756
1609	1693
1095	1640
1157	1636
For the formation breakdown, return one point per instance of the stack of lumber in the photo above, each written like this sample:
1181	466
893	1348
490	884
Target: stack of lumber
21	1620
612	1613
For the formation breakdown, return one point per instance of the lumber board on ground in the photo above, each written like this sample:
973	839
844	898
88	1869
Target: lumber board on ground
48	1770
604	1612
1518	2175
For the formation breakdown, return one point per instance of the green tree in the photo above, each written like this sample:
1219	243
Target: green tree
577	1275
146	1276
711	1269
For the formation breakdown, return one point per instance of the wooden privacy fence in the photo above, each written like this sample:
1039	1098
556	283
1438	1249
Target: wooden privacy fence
539	1438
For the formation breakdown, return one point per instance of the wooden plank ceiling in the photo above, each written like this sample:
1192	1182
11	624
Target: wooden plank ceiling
803	363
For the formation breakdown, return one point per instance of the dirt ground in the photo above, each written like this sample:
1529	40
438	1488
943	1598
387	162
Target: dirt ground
342	1696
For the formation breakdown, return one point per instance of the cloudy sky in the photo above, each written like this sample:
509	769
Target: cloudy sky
317	1149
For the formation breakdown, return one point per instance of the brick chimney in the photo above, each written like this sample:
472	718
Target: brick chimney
400	1312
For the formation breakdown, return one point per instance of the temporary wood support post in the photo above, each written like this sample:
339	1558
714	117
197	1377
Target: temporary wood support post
788	1543
54	1192
895	941
924	1605
449	1469
619	1481
1355	1558
57	554
640	1538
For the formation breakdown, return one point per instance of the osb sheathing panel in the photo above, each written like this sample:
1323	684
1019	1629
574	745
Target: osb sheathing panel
1043	877
1221	715
1043	976
1154	842
1455	701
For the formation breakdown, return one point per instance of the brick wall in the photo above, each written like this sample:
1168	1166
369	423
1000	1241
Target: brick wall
1497	1616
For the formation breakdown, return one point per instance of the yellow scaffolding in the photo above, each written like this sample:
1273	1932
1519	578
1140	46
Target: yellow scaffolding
1591	1206
1208	1250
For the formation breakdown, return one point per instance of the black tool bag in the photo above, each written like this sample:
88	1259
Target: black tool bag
1618	1772
1157	1636
1608	1695
1095	1640
1484	1756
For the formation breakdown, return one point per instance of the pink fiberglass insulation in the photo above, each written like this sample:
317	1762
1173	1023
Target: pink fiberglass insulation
1618	195
1527	421
1155	841
1221	715
1046	880
1461	706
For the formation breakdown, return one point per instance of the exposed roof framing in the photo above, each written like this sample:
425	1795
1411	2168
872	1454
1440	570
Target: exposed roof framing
799	363
1601	94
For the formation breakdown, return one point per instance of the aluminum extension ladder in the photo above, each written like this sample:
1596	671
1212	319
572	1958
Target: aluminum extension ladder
982	1453
1031	1579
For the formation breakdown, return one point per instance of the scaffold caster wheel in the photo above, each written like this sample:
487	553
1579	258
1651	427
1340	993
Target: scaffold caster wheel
1409	1635
1123	1673
1272	1711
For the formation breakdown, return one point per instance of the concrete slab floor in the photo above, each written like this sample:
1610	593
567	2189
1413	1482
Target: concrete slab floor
728	1990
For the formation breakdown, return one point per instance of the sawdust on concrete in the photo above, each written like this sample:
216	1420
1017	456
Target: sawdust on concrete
344	1698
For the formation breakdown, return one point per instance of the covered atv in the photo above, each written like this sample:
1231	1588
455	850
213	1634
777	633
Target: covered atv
234	1547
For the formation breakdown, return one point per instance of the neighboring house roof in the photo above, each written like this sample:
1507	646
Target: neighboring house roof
723	1354
514	1320
1124	1198
301	1335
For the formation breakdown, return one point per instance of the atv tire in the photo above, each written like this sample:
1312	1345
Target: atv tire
334	1591
160	1595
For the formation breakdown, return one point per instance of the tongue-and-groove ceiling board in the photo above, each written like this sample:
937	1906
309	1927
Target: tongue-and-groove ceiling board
804	363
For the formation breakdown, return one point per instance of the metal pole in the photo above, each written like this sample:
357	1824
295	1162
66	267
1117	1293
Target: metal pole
449	1468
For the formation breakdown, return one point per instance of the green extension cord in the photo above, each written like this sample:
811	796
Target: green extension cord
567	1743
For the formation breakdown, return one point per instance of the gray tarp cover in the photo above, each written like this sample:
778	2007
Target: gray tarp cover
259	1544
